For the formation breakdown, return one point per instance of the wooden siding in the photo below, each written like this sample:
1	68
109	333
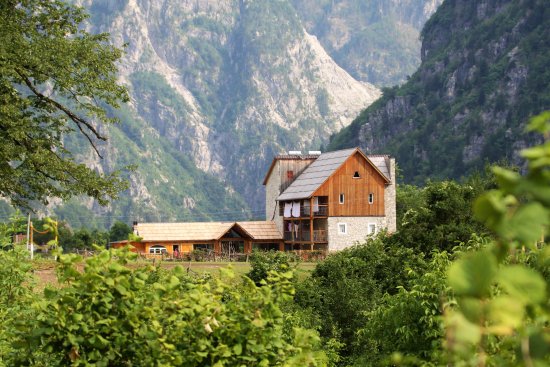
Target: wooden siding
356	190
297	166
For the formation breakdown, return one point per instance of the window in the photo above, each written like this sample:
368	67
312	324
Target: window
371	198
290	175
371	229
342	198
157	249
342	228
203	246
356	175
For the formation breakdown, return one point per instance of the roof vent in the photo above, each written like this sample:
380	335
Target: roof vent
295	152
314	152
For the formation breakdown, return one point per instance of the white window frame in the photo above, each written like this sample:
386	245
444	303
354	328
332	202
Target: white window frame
341	198
158	249
371	197
345	231
368	229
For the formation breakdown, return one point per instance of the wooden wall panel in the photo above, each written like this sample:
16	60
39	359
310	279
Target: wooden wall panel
356	190
297	166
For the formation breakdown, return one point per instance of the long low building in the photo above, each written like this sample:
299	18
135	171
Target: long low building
220	237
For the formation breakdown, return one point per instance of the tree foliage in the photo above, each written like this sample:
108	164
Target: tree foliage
55	79
111	315
502	290
349	284
119	231
264	262
439	216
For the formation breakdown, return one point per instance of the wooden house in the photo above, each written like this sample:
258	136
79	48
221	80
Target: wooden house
219	237
331	200
322	202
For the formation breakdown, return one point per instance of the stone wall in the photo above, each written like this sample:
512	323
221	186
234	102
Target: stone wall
390	199
272	192
357	230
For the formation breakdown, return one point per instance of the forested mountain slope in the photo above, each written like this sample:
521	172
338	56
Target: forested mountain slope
484	71
217	89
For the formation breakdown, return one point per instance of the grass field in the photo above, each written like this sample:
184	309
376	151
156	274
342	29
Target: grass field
44	269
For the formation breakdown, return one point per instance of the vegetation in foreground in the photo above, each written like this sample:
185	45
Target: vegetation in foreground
482	302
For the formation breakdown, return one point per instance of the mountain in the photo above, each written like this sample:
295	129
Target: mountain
484	72
374	40
217	89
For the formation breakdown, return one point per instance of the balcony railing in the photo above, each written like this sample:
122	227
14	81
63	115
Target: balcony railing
322	211
319	235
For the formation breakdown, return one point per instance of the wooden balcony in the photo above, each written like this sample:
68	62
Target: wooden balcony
319	235
305	212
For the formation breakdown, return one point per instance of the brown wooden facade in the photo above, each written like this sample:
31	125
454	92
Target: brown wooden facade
356	179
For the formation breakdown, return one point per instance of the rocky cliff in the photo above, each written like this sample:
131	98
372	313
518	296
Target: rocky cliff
218	88
374	40
483	73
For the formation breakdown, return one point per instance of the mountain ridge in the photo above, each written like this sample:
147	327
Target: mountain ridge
482	76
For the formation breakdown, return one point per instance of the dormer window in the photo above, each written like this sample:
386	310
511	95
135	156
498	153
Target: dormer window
356	175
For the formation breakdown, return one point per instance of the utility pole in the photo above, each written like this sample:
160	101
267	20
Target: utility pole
29	242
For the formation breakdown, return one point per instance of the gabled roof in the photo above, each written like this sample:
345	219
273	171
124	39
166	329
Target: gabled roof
262	230
204	231
321	169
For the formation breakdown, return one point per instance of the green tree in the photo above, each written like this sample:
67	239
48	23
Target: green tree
16	296
55	79
16	224
119	231
439	216
347	285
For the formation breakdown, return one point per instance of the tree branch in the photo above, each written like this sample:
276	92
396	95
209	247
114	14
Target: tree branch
80	122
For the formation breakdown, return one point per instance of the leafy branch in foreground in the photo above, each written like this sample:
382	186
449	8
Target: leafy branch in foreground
55	79
501	291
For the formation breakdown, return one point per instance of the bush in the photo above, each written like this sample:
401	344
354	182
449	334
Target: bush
110	315
350	283
262	262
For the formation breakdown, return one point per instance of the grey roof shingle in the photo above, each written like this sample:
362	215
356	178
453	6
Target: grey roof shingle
321	169
381	162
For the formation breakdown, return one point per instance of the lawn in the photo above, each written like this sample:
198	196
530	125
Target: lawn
44	269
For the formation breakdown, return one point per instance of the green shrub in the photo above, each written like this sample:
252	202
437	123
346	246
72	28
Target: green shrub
263	262
111	315
348	284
